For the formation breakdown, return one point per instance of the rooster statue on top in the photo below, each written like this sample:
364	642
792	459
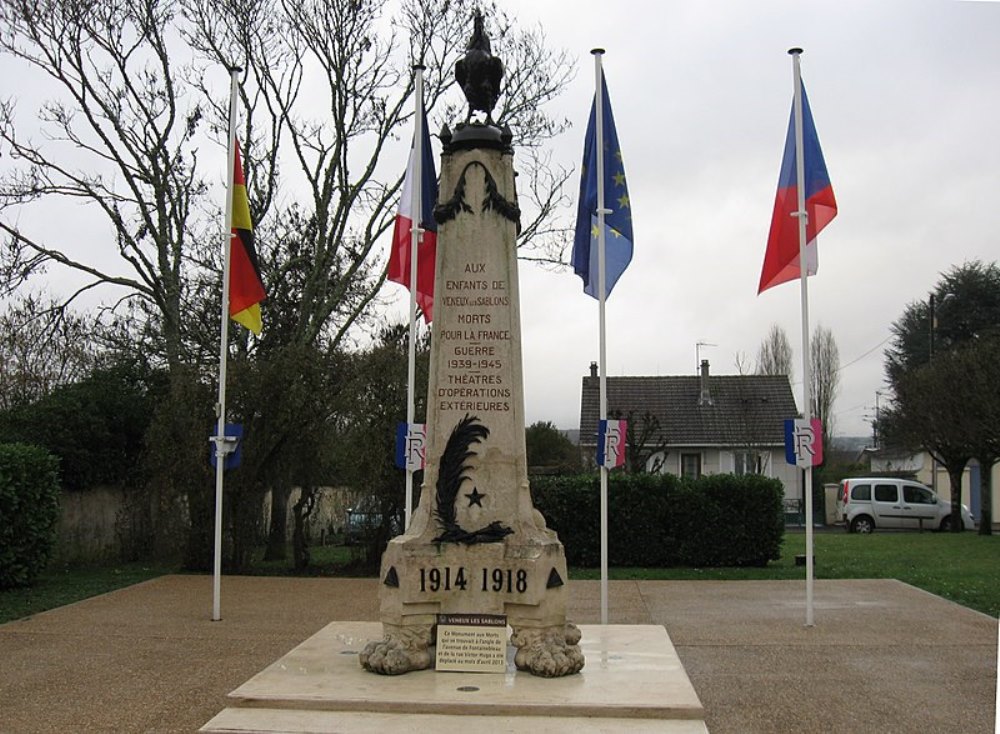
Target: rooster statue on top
478	73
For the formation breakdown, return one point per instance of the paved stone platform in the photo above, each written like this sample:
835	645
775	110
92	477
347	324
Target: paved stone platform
883	656
633	681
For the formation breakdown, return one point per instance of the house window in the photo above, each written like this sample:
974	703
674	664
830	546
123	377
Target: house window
748	462
691	465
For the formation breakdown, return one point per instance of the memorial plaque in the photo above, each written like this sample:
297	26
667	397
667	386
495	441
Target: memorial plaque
471	643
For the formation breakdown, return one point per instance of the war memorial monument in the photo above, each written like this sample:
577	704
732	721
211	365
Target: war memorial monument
477	558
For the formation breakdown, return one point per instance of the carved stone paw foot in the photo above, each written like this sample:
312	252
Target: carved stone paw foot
403	649
550	652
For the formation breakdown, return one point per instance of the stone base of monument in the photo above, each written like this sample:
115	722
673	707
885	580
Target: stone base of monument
633	681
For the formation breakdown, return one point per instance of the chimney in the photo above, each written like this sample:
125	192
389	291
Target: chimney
705	398
593	369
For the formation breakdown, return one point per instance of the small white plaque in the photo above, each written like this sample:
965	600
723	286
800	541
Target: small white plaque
471	643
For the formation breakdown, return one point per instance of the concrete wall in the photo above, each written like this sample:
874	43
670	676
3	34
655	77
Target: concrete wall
88	526
91	522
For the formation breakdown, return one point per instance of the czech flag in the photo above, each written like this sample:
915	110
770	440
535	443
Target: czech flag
781	261
399	258
246	290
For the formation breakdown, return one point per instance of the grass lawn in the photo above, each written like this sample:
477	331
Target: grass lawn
324	560
964	568
57	587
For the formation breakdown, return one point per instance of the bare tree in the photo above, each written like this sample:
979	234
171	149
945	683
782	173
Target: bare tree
825	367
119	136
774	356
41	347
329	88
326	91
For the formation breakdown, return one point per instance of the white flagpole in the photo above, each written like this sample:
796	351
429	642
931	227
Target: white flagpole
800	174
222	447
416	191
601	298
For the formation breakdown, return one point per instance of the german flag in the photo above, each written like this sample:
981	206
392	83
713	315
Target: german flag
246	290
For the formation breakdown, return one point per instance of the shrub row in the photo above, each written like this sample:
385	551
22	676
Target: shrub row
658	520
95	426
29	511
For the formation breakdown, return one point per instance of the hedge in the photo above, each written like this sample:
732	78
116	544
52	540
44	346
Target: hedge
96	426
29	511
659	520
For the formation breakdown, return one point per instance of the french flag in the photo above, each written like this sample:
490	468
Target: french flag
781	261
611	443
399	258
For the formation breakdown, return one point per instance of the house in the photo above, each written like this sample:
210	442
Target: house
691	425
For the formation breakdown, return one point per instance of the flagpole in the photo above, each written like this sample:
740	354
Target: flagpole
802	215
221	444
601	299
415	234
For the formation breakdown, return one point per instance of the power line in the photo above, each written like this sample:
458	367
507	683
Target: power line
858	359
853	361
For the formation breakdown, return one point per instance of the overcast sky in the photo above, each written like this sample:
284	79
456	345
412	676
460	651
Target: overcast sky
906	100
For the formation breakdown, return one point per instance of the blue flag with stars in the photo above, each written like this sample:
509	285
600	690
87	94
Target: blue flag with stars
617	223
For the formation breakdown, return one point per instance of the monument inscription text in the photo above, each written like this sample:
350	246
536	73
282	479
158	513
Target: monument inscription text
472	643
476	346
518	584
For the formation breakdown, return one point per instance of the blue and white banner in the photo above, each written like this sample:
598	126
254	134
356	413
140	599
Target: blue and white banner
803	442
411	439
234	446
611	443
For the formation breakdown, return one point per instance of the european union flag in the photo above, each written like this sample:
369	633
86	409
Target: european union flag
617	223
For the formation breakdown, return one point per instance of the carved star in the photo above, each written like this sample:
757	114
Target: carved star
475	498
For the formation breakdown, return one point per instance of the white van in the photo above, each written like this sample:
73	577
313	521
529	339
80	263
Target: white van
882	502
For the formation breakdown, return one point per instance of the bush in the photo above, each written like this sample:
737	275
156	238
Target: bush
29	511
660	520
95	426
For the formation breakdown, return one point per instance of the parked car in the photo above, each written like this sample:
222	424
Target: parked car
880	502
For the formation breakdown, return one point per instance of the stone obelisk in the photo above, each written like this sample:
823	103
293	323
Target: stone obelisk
476	544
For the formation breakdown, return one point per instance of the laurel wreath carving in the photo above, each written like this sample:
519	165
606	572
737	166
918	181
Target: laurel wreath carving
493	200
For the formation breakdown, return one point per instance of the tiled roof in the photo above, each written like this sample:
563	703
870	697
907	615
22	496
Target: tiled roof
744	408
